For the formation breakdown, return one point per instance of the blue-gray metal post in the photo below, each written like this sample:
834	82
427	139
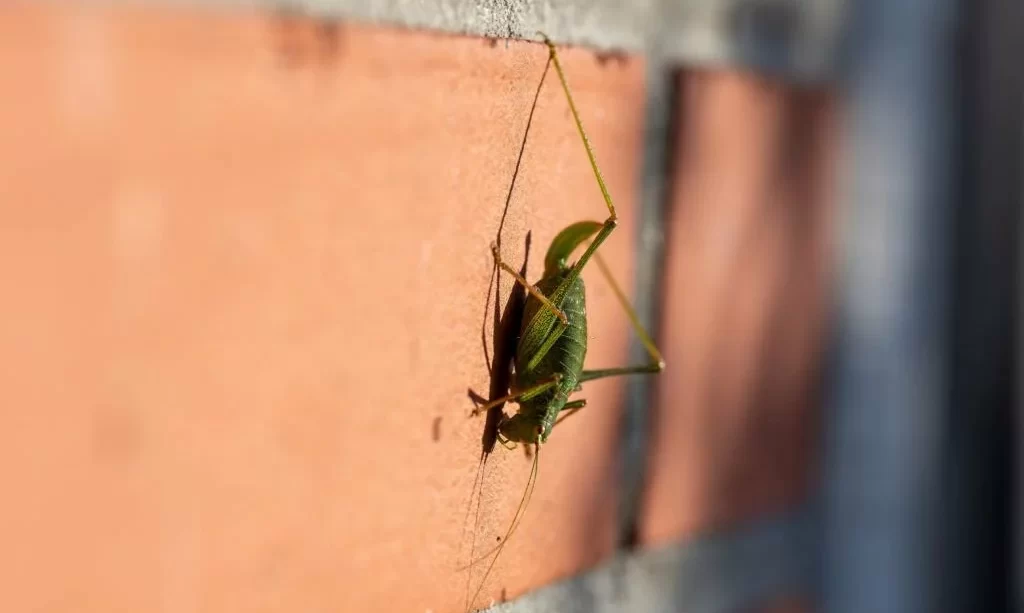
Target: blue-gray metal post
889	388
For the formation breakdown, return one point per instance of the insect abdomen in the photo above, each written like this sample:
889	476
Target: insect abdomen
566	356
571	347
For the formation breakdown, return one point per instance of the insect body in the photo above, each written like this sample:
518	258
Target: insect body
552	344
560	367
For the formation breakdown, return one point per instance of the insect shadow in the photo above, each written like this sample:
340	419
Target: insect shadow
504	340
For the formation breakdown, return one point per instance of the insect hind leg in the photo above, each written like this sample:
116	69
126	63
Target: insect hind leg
586	228
578	233
553	54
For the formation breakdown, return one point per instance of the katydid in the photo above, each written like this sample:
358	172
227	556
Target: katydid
548	362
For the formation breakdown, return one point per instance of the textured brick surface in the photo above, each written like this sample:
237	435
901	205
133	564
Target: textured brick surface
246	268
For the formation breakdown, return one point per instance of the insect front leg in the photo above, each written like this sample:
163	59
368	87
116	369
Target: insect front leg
570	409
504	442
536	293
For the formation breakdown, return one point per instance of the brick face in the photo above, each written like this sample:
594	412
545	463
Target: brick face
247	265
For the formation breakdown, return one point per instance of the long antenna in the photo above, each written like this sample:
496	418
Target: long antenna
516	520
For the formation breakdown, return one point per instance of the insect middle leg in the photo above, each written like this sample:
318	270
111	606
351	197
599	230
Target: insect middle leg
536	293
519	395
656	365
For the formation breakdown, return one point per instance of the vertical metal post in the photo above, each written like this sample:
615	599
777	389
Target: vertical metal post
654	180
976	475
889	393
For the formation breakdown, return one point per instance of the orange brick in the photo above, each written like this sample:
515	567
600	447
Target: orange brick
246	269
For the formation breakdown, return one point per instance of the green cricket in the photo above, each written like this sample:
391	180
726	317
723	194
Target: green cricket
552	347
